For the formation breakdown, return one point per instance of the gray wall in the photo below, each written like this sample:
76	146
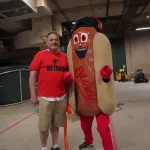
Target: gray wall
118	54
138	51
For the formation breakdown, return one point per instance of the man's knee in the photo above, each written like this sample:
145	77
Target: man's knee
54	129
44	132
59	114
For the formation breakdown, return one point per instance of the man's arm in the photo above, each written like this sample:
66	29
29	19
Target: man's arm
32	86
34	67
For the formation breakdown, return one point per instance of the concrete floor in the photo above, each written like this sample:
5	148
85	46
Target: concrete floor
130	125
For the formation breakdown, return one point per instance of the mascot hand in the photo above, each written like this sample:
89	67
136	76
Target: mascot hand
67	78
106	72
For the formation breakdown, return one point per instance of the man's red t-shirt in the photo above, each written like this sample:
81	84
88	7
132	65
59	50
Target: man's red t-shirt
51	68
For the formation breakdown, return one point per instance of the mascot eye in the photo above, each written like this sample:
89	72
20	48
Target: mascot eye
84	37
76	39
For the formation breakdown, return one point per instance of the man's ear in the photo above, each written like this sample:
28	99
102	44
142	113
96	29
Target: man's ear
46	41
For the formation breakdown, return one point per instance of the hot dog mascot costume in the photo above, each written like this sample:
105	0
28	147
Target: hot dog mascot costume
92	93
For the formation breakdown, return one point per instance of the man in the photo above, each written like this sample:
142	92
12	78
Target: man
50	65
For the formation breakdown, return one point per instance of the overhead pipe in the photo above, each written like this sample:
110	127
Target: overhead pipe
124	14
131	12
86	6
60	10
4	38
91	7
107	10
135	14
144	7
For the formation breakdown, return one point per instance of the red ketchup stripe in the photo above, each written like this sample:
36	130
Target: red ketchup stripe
83	93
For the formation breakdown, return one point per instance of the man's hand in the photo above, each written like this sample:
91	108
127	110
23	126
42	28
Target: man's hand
106	72
34	100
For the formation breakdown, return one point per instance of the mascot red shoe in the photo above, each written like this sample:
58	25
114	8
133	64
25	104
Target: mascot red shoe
92	92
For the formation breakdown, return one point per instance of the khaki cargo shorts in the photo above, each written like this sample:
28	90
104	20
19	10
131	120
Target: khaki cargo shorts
51	114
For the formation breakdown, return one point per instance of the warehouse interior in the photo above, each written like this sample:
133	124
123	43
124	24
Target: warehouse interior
24	25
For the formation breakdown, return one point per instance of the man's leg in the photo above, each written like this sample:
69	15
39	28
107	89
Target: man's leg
86	125
44	121
43	138
104	131
54	133
58	120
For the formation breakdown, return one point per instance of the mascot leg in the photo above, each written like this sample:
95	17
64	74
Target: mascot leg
86	125
103	122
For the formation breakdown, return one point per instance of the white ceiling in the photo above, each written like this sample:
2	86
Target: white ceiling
71	10
79	8
110	12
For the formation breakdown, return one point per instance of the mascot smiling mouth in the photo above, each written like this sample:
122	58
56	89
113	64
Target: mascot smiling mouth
81	52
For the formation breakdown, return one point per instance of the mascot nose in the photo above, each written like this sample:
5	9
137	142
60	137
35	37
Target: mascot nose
80	46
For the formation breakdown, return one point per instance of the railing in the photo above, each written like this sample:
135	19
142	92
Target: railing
14	85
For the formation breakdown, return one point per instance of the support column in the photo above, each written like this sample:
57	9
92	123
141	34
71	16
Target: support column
40	28
56	25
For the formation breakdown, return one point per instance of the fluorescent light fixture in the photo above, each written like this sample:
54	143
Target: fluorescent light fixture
146	28
32	4
73	22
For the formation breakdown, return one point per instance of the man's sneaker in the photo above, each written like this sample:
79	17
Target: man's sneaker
85	145
57	148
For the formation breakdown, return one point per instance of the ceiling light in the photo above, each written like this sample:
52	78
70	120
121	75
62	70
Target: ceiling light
73	22
146	28
147	16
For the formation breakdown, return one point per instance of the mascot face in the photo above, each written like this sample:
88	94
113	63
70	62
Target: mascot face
82	41
83	66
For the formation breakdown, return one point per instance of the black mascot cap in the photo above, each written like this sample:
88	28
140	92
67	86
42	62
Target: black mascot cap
88	22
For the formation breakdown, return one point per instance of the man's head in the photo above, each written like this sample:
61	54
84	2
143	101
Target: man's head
53	42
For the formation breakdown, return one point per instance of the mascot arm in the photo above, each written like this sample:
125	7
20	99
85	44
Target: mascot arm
68	78
106	80
106	72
